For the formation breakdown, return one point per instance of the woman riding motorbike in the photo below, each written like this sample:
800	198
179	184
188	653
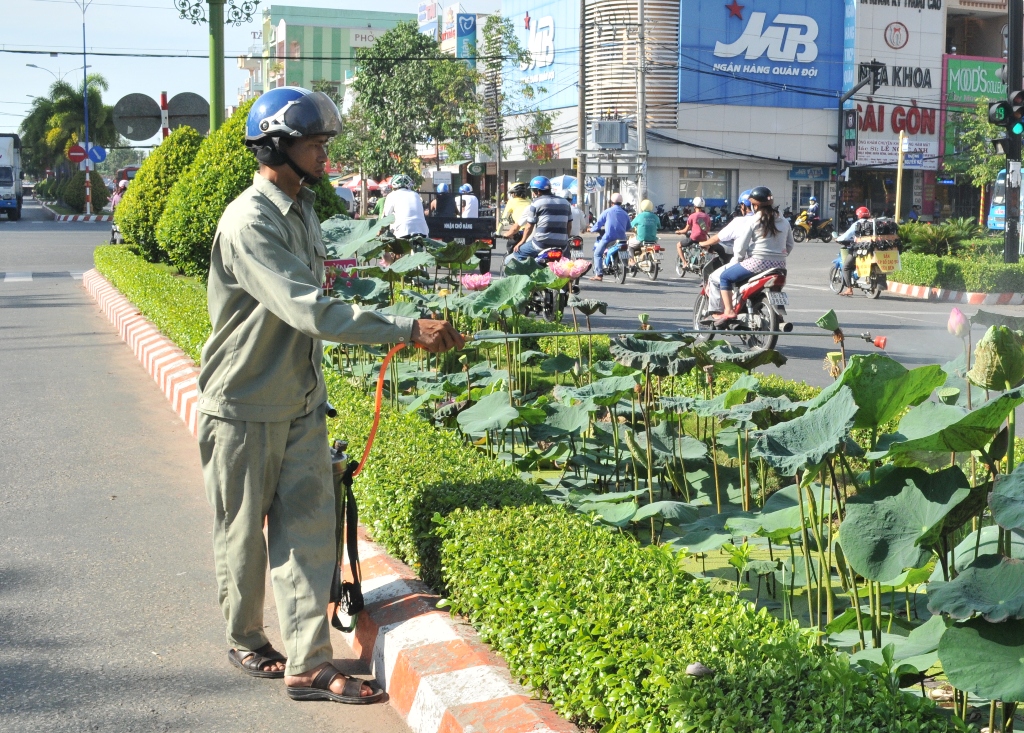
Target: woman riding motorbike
849	259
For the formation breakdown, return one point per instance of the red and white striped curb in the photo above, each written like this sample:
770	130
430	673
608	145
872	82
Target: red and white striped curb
76	217
438	674
171	368
955	296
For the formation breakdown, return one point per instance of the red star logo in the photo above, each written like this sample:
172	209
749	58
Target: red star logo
735	9
526	20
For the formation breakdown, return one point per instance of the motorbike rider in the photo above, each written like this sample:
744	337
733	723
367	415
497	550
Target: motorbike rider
728	236
697	229
614	222
645	224
515	208
546	223
378	209
849	259
262	424
813	211
444	203
467	204
764	246
579	219
406	206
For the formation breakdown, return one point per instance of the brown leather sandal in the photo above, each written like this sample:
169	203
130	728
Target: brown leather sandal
252	663
351	695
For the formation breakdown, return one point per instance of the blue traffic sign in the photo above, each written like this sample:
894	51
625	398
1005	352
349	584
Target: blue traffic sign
97	153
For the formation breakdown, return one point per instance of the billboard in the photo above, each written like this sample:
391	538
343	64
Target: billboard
965	80
777	53
465	37
427	19
550	30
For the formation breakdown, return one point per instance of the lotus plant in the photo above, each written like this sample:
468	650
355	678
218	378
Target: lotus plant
476	282
572	269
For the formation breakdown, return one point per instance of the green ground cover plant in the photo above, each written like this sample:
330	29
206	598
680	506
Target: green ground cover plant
978	274
72	193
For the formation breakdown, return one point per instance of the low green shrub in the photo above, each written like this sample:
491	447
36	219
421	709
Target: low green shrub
139	211
175	305
608	636
73	192
327	203
222	169
976	275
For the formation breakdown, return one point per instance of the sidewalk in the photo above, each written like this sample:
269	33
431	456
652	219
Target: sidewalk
107	597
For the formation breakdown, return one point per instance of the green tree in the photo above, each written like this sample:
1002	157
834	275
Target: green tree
121	155
973	156
329	88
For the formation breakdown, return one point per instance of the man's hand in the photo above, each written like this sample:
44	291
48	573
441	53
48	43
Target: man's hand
436	336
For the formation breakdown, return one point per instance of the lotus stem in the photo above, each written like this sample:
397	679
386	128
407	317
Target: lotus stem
806	551
828	565
816	531
714	465
991	715
1008	710
855	599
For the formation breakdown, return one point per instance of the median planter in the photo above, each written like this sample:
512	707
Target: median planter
969	280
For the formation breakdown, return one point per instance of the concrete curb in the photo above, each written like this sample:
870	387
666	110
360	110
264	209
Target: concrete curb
439	676
75	217
955	296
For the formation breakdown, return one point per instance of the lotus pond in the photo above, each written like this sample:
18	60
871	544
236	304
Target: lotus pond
884	512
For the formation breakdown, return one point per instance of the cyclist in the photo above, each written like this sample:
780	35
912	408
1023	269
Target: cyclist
765	245
467	204
613	223
697	229
849	260
546	223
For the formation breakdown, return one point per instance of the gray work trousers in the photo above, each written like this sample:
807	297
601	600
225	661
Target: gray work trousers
281	471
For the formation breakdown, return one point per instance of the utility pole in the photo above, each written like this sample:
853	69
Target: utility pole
839	138
84	5
1014	62
216	26
641	107
581	117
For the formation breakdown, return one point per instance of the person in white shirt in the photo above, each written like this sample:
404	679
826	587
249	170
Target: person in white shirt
467	204
407	207
579	219
729	235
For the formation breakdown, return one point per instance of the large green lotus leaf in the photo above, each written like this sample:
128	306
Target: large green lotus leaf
410	263
673	512
704	535
780	516
805	441
547	279
568	419
508	292
882	387
987	544
891	527
614	497
998	360
452	252
359	288
678	405
985	318
605	392
985	659
522	267
404	309
667	444
747	360
991	585
560	363
587	306
345	238
493	412
702	485
938	428
661	358
956	378
1007	500
617	515
920	649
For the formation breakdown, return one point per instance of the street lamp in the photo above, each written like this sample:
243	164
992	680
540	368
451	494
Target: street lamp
55	76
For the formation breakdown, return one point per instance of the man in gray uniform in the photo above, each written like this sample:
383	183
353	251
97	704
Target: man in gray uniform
262	425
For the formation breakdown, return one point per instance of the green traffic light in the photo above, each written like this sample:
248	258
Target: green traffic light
1018	128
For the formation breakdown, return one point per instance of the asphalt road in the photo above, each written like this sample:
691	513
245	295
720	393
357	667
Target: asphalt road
108	613
916	329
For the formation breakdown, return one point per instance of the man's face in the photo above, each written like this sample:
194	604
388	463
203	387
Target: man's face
310	153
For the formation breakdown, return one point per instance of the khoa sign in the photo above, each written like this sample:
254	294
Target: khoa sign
549	30
779	53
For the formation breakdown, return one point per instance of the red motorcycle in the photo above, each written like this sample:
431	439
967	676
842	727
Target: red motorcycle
760	305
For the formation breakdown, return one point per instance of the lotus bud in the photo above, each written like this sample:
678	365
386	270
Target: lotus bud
829	321
443	292
958	324
476	282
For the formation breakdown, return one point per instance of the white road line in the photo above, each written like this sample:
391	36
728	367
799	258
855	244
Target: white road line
18	277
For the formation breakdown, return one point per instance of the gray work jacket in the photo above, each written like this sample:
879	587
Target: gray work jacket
269	314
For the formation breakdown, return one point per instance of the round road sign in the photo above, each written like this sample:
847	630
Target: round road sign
76	154
189	109
97	153
137	116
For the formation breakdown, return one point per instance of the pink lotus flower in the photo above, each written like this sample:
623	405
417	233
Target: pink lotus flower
571	269
476	282
958	325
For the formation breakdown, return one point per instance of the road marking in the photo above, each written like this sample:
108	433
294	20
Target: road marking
17	277
27	277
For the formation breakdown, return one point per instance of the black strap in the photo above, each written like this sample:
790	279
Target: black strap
347	596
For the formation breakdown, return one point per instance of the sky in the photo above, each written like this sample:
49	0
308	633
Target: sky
127	26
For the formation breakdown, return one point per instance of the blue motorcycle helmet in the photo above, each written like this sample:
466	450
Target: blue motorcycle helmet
745	198
443	188
288	112
540	183
465	188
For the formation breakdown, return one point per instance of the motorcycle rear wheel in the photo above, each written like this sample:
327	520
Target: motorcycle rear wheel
764	318
620	272
799	234
652	269
700	314
681	268
835	280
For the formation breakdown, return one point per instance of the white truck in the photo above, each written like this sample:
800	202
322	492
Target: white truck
11	175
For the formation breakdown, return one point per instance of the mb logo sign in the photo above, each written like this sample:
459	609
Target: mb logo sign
541	42
789	38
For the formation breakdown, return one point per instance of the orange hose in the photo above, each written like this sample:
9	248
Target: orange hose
377	407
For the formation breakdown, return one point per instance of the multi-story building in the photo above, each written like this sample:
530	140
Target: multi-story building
306	45
741	94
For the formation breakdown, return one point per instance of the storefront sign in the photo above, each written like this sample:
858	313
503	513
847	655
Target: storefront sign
549	29
966	79
746	54
808	174
427	19
465	37
450	21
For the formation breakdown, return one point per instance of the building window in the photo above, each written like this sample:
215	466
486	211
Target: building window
711	185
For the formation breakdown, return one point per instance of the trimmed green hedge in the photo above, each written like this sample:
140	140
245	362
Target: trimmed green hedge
73	192
966	275
602	626
139	211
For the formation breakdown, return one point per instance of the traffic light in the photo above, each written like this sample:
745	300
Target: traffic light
1015	123
999	113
